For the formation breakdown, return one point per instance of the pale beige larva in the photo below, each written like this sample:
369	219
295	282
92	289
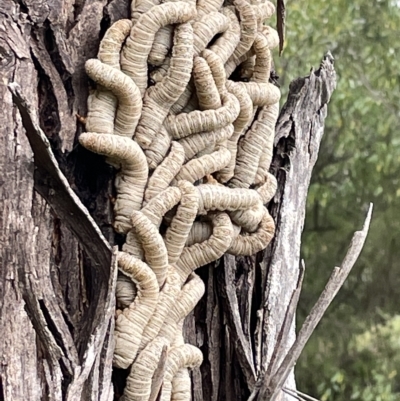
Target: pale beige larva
206	28
166	171
206	89
159	205
185	356
139	43
183	125
195	169
131	322
138	383
166	300
163	95
126	92
181	386
257	140
208	251
248	25
130	181
255	242
189	296
179	228
213	197
195	143
102	102
225	45
155	252
267	187
240	124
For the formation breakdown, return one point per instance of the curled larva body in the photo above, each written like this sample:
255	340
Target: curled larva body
127	93
248	219
206	7
133	246
181	223
255	242
156	208
166	300
166	171
240	124
159	73
125	291
138	45
163	95
131	322
101	106
195	143
215	197
181	386
272	36
225	45
189	296
231	66
208	251
161	45
266	155
155	252
267	190
102	103
217	68
262	66
178	340
257	140
248	32
159	148
206	28
196	121
184	99
130	181
206	89
138	383
139	7
247	68
185	356
261	94
196	169
246	107
199	232
263	11
110	45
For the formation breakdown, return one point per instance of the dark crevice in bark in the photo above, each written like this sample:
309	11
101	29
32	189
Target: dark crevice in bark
48	110
51	326
104	24
54	53
56	240
91	178
22	6
78	8
119	377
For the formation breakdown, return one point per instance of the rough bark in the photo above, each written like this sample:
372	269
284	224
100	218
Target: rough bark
52	293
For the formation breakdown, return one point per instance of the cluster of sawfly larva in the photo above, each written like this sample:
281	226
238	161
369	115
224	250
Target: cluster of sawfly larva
192	147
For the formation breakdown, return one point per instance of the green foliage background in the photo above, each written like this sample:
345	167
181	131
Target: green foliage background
355	352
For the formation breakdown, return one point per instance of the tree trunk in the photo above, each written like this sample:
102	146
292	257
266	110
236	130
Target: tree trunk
57	274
